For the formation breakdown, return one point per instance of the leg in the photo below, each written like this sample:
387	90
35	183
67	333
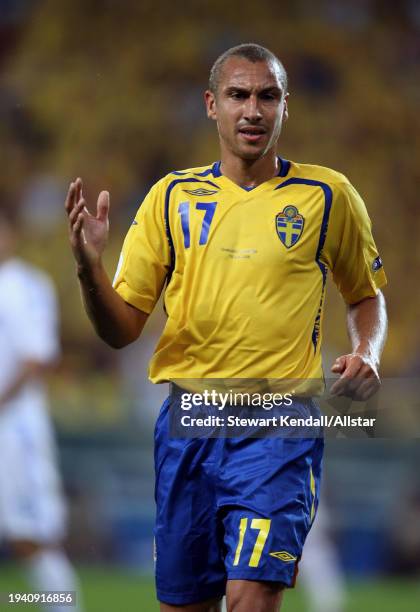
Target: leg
246	595
32	510
47	568
272	488
23	549
211	605
190	573
320	573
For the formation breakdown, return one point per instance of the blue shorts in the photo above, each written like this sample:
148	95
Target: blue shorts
231	508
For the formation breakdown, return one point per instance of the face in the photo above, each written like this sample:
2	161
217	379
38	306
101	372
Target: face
249	107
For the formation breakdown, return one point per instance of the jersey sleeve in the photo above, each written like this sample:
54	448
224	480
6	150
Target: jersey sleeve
145	257
350	251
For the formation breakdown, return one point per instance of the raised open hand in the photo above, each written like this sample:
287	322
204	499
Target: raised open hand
88	234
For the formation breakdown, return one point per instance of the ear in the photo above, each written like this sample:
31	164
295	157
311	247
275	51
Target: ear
210	101
286	107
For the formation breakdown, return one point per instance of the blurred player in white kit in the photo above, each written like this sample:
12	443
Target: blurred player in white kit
32	508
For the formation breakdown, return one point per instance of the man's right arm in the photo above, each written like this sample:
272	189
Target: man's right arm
114	320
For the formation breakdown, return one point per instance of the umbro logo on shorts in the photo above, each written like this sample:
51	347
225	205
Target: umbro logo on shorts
283	555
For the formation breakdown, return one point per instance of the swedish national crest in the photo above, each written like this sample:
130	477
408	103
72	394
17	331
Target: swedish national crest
289	225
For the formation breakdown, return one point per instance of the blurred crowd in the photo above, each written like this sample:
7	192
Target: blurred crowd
112	92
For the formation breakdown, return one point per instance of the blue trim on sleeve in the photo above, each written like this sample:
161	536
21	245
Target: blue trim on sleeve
322	236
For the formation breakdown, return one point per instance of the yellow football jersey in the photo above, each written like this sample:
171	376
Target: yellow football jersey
246	269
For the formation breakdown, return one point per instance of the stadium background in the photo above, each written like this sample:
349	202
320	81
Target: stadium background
112	92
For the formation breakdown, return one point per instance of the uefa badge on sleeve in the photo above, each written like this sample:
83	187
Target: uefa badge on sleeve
377	264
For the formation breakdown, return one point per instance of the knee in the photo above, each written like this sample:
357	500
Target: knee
249	596
24	549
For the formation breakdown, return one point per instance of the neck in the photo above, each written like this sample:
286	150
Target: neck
250	172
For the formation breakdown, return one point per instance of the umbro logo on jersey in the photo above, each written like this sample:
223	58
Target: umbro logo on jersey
289	225
283	555
200	191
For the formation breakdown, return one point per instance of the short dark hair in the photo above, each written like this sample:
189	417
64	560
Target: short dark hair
253	53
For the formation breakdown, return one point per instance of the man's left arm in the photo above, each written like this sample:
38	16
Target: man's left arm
33	328
359	370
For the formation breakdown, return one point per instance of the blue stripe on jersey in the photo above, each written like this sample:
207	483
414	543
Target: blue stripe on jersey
284	167
205	172
167	224
317	323
322	235
216	169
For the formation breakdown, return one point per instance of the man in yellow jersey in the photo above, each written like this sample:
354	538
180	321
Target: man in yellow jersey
244	246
